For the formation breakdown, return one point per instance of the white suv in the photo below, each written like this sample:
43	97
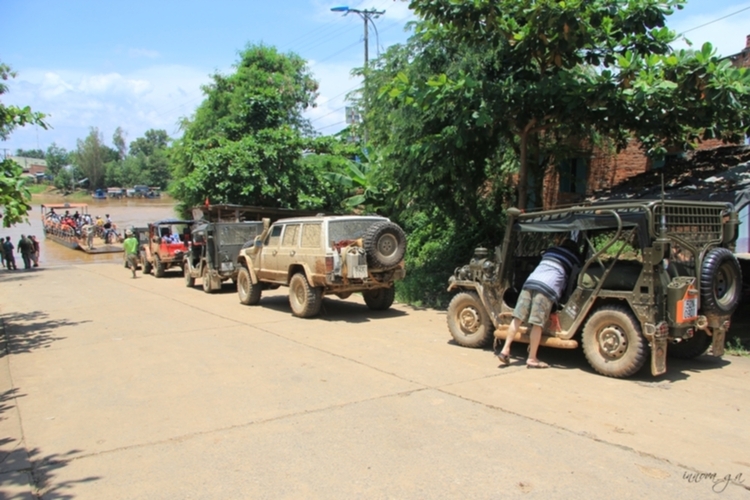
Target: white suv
324	255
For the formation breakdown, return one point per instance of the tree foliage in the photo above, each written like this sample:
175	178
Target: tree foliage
91	158
555	72
56	157
14	196
245	142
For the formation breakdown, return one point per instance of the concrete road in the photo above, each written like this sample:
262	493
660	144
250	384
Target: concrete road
113	387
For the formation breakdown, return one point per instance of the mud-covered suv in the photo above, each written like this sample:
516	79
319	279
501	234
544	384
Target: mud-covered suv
656	275
325	255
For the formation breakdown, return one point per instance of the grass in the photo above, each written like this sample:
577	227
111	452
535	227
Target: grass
37	188
736	348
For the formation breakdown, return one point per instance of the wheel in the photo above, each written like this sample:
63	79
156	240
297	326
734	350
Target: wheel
304	299
468	321
189	280
690	348
721	282
208	285
146	264
385	244
379	299
612	342
249	293
158	267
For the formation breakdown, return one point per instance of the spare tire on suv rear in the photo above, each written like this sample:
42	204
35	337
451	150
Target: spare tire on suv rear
385	244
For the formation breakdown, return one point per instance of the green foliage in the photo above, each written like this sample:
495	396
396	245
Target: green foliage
244	145
14	195
92	156
56	158
31	153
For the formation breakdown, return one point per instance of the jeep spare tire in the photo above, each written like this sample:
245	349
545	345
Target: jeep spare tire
385	244
721	282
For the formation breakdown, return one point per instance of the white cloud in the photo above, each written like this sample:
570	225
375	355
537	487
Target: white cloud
137	53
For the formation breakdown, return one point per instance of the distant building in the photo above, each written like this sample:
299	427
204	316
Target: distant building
31	166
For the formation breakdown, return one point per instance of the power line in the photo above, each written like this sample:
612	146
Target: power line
716	20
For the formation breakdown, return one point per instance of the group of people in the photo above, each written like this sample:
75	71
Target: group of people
28	247
82	225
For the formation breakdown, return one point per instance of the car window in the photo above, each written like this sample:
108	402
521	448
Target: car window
349	229
311	235
290	235
274	236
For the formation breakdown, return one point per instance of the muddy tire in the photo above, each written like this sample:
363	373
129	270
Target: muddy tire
249	294
613	343
158	267
380	299
189	280
690	348
468	321
721	282
208	285
304	299
146	264
385	245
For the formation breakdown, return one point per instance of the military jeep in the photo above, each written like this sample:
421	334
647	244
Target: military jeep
213	252
168	240
655	275
324	255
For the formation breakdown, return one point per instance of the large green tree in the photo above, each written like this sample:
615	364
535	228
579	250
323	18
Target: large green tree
92	157
562	71
56	158
14	196
245	142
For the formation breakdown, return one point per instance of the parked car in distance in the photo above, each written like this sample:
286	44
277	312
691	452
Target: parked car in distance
168	241
213	252
324	255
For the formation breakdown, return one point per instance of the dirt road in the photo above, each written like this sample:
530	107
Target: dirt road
120	388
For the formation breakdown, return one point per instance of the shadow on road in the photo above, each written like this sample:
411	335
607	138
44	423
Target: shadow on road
25	332
333	310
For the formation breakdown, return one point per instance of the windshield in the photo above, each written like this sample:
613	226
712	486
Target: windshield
238	234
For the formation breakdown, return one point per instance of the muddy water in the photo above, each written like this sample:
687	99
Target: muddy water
124	213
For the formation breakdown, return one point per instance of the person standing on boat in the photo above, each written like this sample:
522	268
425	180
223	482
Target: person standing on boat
10	259
25	247
88	231
130	246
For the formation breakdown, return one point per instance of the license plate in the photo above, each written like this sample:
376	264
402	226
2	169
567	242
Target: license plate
359	271
689	309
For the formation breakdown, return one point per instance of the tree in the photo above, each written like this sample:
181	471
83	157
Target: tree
565	70
56	158
30	153
245	142
153	158
14	196
118	139
92	155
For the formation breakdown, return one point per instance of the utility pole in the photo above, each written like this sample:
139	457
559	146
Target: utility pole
367	16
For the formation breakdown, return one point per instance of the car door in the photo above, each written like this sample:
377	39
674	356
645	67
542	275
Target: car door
266	261
288	248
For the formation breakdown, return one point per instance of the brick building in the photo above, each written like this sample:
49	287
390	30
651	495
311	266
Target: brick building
596	169
31	166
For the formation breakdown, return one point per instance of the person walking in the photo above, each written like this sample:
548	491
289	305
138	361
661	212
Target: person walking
542	289
10	259
35	253
130	245
25	247
2	252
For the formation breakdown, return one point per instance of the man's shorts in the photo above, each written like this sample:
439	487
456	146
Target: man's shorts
132	260
533	308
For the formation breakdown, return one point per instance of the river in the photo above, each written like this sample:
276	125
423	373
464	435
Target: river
126	212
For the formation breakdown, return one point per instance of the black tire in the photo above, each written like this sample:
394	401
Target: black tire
249	294
189	280
380	299
468	321
385	245
146	264
304	299
613	343
721	282
208	285
158	267
690	348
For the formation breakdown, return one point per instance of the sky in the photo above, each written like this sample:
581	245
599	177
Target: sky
139	64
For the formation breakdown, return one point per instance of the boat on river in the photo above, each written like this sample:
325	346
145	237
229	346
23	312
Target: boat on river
67	235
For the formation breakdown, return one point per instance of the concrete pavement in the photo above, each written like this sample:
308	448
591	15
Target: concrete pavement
118	388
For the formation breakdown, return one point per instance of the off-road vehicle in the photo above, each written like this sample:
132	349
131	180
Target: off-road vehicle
168	240
655	274
317	256
213	252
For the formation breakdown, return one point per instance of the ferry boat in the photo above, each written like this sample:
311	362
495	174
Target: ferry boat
66	235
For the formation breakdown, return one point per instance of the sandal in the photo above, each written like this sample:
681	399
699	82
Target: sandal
504	358
538	364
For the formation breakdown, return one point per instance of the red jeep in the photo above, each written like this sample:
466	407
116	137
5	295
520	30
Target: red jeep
168	242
